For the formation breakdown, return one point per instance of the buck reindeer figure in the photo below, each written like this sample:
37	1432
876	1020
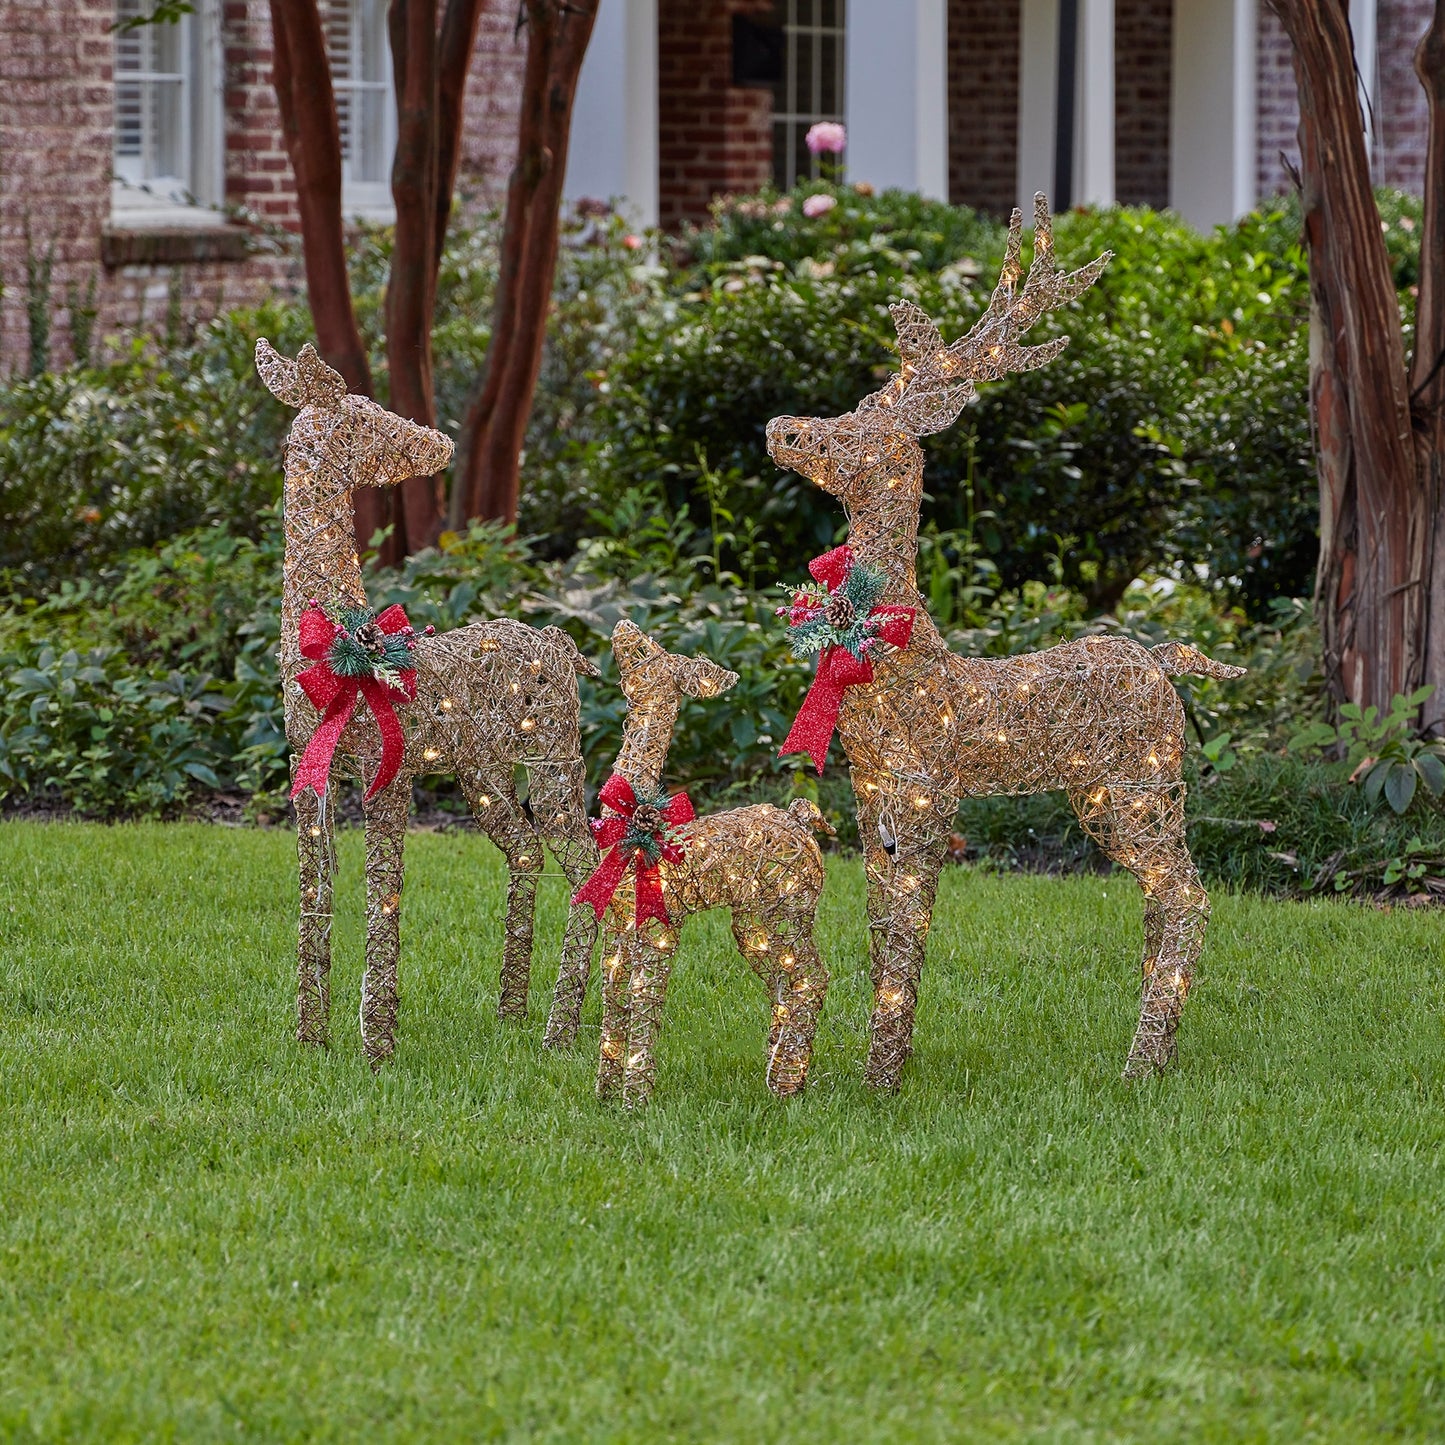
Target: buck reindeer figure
761	862
486	697
1096	718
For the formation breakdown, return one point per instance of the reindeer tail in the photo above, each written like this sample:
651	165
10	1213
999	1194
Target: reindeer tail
582	666
1180	659
810	815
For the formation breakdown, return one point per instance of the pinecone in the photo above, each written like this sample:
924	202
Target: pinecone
840	614
646	818
371	637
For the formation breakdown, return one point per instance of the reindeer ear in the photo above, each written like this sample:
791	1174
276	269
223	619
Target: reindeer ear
701	676
279	374
320	385
631	646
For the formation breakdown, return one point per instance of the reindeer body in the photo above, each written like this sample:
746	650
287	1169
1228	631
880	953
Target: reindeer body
1096	718
489	696
760	862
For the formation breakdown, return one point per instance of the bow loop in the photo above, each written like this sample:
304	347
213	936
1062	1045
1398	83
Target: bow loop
625	844
336	693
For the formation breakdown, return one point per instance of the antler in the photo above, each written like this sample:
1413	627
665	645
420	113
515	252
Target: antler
991	349
936	381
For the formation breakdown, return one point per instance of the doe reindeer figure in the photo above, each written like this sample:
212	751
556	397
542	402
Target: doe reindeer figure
761	862
476	701
1096	718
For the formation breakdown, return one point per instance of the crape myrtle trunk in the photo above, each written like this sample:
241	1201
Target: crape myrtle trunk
500	403
1378	427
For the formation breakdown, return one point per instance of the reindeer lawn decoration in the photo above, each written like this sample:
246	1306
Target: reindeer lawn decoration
1096	718
761	862
390	705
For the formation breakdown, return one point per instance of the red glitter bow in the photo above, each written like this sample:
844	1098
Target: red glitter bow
336	697
839	669
630	845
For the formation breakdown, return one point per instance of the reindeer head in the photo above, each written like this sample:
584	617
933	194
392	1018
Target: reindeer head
351	435
651	674
935	381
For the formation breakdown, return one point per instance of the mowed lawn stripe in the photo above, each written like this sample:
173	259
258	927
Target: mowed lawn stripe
208	1232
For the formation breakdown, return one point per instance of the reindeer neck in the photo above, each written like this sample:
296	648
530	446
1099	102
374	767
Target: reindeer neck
646	737
883	524
320	559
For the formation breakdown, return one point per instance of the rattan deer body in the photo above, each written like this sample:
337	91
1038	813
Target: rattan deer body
488	696
761	862
1096	718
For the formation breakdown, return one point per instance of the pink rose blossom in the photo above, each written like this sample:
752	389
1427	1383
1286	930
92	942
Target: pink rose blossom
816	206
826	138
632	243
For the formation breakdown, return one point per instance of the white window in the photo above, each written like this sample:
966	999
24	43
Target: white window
360	54
812	85
167	149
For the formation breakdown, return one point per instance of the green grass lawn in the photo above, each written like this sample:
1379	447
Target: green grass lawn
208	1232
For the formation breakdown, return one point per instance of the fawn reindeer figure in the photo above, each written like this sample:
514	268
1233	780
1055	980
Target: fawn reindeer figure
761	862
1097	718
477	701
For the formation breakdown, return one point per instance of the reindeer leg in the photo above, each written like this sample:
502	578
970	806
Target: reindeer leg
796	979
559	806
385	816
316	862
647	989
1142	829
900	933
509	829
619	950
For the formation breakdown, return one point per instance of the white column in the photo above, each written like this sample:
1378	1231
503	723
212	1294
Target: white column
896	101
1094	123
1364	27
1212	115
612	154
1038	98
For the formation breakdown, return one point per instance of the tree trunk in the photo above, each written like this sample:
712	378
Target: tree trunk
1370	593
501	400
301	76
1427	369
411	288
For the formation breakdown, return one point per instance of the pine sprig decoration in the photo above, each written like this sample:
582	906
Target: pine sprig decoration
648	831
818	619
362	649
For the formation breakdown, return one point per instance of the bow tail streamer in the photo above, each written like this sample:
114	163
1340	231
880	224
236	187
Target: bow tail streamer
650	902
314	771
393	744
813	728
603	883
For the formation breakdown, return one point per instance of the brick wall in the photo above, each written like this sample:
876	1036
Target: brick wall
713	137
1398	150
55	129
494	88
1400	110
1143	54
983	104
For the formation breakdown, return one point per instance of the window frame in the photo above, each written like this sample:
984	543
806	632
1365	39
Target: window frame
790	117
366	200
140	194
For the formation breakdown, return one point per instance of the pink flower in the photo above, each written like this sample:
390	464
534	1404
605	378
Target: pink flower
632	243
816	206
826	138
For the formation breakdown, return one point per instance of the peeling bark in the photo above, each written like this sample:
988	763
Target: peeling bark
1374	458
501	400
